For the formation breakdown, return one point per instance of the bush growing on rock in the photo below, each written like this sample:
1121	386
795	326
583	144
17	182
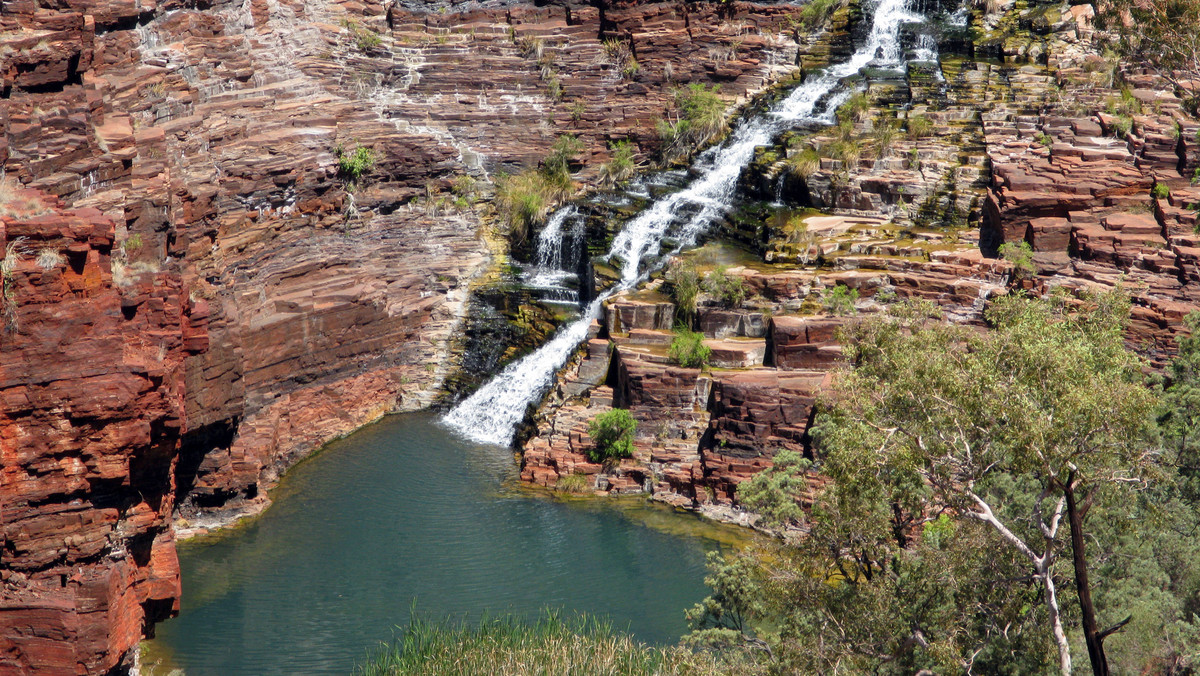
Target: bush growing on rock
557	165
620	167
700	119
840	300
919	126
523	200
729	290
1021	257
572	483
685	287
354	164
804	163
612	431
855	108
773	492
688	349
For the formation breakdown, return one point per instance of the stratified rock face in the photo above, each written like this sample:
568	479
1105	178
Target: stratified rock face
229	299
90	429
1022	136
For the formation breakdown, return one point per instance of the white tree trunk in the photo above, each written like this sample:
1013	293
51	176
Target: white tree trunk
1041	564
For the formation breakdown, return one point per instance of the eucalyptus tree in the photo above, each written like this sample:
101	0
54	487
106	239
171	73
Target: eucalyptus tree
944	414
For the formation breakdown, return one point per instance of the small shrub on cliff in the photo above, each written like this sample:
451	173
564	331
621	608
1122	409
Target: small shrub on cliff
1021	257
523	200
700	118
685	287
14	253
688	349
804	163
884	135
729	290
364	38
840	301
919	126
1122	125
48	259
620	167
572	483
612	431
557	165
855	108
1161	191
354	164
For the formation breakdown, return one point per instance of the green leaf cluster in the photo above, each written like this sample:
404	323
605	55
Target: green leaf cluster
612	431
688	349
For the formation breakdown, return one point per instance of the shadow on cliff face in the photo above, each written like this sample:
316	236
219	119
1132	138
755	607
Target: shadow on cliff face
502	324
195	447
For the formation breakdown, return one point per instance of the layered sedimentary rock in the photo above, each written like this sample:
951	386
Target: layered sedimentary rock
91	424
1022	132
229	297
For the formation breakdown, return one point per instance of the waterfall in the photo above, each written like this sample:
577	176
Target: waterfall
550	239
551	272
492	413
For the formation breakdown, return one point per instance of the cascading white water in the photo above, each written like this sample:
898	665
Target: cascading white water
550	239
492	413
549	272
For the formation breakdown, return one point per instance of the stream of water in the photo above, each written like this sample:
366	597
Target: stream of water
493	412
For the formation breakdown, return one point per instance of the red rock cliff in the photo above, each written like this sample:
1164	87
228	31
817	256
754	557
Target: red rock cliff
227	301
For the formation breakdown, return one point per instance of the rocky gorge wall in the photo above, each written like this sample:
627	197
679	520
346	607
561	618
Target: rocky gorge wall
1031	134
198	295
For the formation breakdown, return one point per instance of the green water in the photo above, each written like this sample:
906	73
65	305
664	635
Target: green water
401	512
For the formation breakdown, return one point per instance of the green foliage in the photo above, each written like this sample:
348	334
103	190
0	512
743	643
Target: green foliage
557	165
773	493
355	164
685	287
883	135
723	619
1158	35
509	646
573	483
612	431
523	200
1021	256
364	38
991	425
620	167
818	12
855	108
1122	125
847	152
1044	139
804	163
840	300
700	119
131	244
1160	191
688	349
729	290
464	187
920	126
